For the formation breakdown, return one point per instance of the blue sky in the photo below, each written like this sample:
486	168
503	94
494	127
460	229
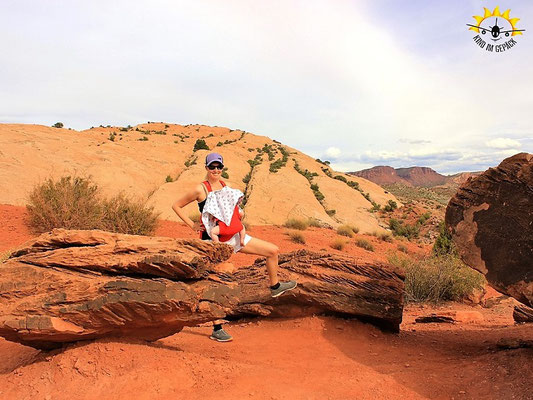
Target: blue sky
360	83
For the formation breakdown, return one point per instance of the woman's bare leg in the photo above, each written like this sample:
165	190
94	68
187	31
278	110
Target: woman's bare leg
268	250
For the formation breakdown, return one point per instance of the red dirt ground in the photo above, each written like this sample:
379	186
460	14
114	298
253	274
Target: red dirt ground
307	358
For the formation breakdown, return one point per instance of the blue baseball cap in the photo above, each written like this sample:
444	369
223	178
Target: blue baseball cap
213	157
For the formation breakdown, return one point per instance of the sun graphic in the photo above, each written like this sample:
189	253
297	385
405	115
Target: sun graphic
496	13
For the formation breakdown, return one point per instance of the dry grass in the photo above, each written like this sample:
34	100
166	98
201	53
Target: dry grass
364	244
403	248
296	237
338	244
386	237
437	278
345	230
76	203
315	223
295	223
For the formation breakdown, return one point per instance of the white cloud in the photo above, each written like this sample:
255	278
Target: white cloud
503	143
333	152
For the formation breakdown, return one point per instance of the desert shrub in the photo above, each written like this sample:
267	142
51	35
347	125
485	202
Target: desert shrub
295	223
399	229
354	228
375	207
112	136
345	230
443	244
424	217
353	184
125	215
200	145
341	178
331	213
437	278
58	125
385	236
70	202
403	248
143	139
390	206
297	237
76	203
315	223
247	178
338	244
169	179
364	244
225	174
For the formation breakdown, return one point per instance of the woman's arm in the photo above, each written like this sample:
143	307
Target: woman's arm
184	200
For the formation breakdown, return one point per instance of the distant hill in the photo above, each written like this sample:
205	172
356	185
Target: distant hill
413	176
159	162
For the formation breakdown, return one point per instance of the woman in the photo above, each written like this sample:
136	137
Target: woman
214	165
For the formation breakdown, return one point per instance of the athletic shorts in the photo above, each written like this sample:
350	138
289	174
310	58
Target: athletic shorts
235	241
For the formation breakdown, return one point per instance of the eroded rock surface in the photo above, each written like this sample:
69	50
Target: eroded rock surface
491	220
74	285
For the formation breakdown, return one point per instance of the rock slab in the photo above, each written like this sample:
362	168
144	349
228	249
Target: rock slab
67	286
491	220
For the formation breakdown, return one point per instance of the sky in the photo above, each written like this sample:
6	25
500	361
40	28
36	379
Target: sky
358	83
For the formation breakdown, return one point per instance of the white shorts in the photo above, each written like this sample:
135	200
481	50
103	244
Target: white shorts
235	241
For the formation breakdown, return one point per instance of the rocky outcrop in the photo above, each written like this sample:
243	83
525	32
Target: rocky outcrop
490	219
75	285
412	176
522	314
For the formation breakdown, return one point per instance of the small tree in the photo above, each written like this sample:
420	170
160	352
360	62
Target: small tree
58	125
200	145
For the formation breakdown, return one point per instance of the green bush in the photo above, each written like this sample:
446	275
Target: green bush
403	248
443	244
364	244
58	125
200	145
424	217
437	278
76	203
341	178
295	223
169	179
331	213
390	206
399	229
225	174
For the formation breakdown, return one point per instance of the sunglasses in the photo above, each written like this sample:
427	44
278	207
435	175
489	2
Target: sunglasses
218	166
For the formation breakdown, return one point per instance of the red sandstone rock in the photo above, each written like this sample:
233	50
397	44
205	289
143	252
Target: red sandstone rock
74	285
491	220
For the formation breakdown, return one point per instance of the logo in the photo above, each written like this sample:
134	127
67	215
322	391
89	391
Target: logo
495	30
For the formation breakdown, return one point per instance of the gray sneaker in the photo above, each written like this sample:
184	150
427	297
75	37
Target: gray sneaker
221	336
283	287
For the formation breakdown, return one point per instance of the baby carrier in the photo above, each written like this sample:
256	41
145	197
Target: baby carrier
227	231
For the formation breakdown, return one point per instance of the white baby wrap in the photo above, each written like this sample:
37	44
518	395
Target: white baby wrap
220	205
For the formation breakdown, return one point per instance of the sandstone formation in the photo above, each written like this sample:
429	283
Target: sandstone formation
158	162
490	219
75	285
522	314
412	176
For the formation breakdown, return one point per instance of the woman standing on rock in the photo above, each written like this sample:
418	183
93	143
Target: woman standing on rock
214	166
